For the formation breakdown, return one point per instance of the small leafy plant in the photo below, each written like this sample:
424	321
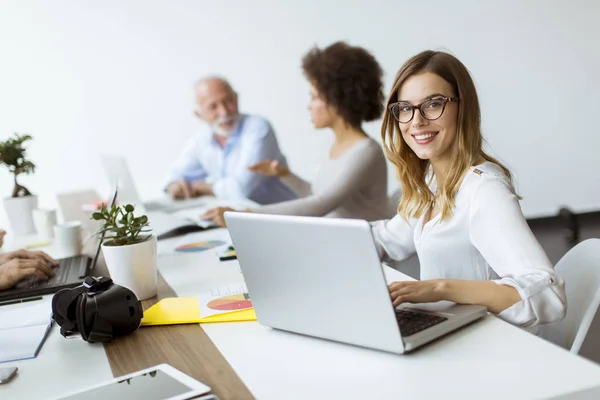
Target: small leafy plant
12	155
121	227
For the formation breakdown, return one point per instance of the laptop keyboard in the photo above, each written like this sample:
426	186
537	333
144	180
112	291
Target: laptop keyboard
411	322
62	274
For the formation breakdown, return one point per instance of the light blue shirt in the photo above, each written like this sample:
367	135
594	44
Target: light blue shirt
226	168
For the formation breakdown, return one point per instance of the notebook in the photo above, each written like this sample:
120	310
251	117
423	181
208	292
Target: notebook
23	329
167	225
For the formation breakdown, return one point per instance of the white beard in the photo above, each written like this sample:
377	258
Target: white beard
223	132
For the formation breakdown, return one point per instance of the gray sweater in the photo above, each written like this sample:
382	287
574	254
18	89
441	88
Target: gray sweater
354	185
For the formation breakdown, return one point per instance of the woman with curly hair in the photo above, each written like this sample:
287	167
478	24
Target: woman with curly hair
346	90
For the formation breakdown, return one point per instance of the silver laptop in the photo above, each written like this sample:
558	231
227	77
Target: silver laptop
71	272
164	220
117	172
322	277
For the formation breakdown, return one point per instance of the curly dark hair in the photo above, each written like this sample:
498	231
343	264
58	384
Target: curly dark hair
349	78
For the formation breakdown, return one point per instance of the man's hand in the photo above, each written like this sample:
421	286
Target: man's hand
17	265
179	189
201	188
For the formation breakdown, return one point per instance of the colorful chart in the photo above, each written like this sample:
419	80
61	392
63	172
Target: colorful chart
198	246
231	303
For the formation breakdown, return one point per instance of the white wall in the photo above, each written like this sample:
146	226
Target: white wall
86	77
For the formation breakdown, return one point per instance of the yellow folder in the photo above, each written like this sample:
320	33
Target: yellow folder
186	310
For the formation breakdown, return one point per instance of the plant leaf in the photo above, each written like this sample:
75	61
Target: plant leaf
97	216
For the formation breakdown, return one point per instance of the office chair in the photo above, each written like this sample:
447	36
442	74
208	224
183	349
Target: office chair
580	268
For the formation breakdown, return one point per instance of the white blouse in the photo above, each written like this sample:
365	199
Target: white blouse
485	238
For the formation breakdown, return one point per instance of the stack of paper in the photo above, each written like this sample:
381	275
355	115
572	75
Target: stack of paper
23	329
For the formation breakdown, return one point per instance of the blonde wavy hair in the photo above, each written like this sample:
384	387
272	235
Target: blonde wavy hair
415	175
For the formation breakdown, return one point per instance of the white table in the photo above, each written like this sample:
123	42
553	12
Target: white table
61	365
489	359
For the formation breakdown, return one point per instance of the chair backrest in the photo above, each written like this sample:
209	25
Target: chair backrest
70	204
580	268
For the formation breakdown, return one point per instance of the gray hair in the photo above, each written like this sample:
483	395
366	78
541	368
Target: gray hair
209	78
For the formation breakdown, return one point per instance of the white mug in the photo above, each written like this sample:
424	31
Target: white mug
44	221
67	238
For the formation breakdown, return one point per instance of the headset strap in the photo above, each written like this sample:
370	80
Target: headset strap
101	331
61	304
94	284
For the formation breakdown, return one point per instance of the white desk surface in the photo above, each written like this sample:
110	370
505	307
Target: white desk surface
489	359
61	365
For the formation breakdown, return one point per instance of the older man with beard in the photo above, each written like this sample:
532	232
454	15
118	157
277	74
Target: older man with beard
216	160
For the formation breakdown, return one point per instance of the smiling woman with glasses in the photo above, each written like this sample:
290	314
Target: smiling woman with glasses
459	211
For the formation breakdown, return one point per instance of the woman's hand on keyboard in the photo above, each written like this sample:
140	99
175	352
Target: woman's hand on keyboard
416	291
24	264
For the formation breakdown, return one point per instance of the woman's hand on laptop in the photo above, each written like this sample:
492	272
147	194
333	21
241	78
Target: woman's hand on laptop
495	297
416	291
20	264
216	215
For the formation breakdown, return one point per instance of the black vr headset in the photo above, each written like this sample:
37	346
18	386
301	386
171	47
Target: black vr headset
98	309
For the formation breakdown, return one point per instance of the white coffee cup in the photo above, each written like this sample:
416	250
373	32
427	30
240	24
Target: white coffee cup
67	238
44	221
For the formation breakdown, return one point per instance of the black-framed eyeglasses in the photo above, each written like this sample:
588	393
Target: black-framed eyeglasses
431	109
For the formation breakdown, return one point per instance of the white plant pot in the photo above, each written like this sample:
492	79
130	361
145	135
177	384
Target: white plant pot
19	212
133	266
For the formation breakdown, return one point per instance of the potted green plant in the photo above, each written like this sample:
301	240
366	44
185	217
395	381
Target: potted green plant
129	249
20	205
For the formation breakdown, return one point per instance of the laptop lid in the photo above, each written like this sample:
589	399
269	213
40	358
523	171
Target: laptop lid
316	276
118	174
113	201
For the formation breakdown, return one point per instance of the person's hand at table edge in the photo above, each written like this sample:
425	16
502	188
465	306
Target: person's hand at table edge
216	215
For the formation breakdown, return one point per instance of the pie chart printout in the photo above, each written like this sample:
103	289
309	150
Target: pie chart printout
234	302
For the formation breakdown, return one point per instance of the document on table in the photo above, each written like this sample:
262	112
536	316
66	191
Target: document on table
23	329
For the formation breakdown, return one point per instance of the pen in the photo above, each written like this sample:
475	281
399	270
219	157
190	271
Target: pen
18	301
